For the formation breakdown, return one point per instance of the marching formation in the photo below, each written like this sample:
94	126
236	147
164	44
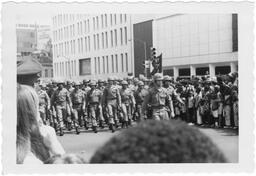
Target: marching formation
118	103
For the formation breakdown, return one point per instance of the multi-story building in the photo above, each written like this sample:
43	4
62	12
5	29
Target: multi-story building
197	44
91	46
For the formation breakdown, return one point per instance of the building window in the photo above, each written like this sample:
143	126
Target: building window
102	36
106	39
121	36
89	44
115	19
85	27
115	37
184	72
125	18
72	70
74	67
102	22
81	28
94	41
125	35
95	65
85	66
85	43
106	21
88	24
126	60
46	73
222	70
98	41
97	21
78	28
112	61
111	19
111	33
116	63
93	23
107	64
103	63
98	65
121	18
78	42
74	47
82	47
122	62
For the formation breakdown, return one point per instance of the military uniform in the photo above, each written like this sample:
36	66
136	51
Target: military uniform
94	97
44	104
157	98
78	101
127	103
61	99
139	96
111	98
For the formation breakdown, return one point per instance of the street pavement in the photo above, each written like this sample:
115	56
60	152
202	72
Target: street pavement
87	142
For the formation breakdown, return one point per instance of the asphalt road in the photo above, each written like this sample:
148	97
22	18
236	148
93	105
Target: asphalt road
87	142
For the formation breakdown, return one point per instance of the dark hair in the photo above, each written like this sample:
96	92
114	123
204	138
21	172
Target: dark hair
159	142
28	135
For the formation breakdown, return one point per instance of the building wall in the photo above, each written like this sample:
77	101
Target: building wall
142	32
195	40
91	46
26	41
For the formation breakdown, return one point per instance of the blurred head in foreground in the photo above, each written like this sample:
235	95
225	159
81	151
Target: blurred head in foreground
159	142
29	139
66	159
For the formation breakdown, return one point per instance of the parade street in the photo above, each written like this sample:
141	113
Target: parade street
88	142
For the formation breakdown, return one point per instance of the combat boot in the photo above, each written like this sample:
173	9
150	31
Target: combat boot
112	128
77	131
85	125
123	124
69	127
94	128
116	124
61	132
101	124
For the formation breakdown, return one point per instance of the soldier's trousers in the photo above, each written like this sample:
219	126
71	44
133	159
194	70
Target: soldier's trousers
139	112
160	114
77	114
61	112
127	112
112	111
95	113
227	114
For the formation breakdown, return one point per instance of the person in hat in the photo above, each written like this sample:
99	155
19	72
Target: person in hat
139	97
69	86
158	98
78	101
28	71
94	103
44	103
111	100
101	86
60	100
127	104
85	86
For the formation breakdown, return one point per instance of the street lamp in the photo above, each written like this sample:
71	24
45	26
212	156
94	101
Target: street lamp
145	52
68	58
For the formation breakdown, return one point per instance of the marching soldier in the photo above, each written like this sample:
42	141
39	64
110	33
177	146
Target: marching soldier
70	88
101	86
127	103
139	96
112	100
44	103
78	101
85	86
94	101
61	99
158	99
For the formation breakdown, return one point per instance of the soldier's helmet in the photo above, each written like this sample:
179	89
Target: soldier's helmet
93	83
167	78
158	77
110	79
60	82
141	83
124	82
77	83
100	81
85	81
68	82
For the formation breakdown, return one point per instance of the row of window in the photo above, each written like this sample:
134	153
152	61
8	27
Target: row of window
84	44
110	64
48	73
83	27
67	69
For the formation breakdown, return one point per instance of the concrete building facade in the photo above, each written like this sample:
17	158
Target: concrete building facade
91	46
197	44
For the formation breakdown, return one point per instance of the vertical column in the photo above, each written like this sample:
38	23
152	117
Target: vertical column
175	72
192	70
212	70
232	67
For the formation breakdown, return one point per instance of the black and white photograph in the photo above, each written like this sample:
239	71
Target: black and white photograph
129	87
